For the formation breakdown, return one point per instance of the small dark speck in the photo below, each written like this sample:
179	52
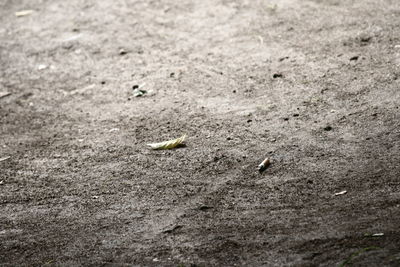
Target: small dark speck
228	138
354	58
328	128
277	75
122	52
366	39
296	115
285	119
136	86
204	207
234	91
249	120
129	99
172	75
103	82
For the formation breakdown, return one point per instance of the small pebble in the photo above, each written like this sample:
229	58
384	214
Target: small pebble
366	39
354	58
122	52
42	67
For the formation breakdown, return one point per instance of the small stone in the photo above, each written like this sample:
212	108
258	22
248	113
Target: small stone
285	119
296	115
328	128
205	207
122	52
42	67
355	58
277	75
366	39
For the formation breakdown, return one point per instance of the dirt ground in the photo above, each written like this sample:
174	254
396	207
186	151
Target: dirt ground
312	84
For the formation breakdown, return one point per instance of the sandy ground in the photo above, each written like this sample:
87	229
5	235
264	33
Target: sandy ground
312	84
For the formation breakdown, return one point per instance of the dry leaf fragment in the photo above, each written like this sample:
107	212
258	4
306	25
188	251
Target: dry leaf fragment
23	13
168	144
42	67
